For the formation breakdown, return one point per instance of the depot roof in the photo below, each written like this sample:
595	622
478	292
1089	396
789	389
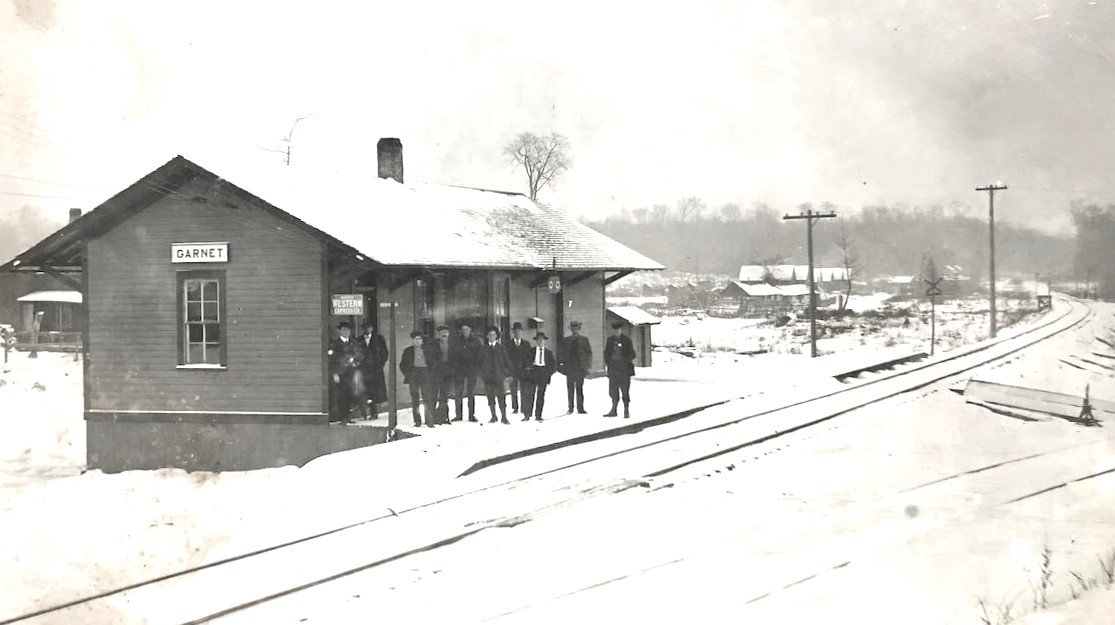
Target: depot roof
388	223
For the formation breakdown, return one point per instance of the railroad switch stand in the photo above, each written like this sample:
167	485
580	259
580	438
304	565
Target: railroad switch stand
1086	408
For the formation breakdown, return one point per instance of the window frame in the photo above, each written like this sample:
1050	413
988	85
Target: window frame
423	297
181	318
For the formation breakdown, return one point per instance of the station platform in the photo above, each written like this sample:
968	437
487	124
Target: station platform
675	387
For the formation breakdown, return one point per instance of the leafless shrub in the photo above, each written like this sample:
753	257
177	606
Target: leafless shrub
1107	563
1001	613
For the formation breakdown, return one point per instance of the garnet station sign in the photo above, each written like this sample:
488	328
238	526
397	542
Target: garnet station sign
199	252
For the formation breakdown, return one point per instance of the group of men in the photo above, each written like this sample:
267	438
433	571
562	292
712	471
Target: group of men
449	368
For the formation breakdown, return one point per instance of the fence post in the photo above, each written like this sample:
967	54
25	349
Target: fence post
35	325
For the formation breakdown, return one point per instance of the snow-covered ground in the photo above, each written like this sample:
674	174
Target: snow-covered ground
904	325
69	533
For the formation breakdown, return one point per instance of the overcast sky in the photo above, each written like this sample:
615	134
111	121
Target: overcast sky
852	102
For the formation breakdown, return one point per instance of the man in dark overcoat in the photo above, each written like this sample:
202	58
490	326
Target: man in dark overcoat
619	357
575	362
495	367
465	358
536	377
519	351
344	360
416	367
375	357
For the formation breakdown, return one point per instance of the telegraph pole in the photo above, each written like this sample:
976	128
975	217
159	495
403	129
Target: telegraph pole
812	217
991	189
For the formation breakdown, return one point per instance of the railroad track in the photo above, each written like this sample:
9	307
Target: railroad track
508	494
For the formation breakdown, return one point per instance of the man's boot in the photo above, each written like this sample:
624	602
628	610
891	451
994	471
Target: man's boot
503	413
612	412
626	410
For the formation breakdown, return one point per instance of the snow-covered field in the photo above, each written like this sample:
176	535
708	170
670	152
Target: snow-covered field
69	533
903	325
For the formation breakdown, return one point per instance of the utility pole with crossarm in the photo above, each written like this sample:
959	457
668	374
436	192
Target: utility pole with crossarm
812	217
991	189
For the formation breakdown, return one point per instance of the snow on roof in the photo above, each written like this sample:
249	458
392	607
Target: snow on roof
67	297
634	315
900	279
759	290
785	273
794	290
431	224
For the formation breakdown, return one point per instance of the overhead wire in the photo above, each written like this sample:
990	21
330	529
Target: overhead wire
35	137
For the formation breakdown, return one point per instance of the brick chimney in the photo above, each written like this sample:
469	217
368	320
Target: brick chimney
74	214
390	152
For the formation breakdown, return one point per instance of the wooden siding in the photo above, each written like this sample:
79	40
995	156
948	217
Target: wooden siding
273	303
527	302
584	302
404	324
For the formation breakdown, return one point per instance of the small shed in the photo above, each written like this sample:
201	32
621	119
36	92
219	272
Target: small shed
637	324
59	310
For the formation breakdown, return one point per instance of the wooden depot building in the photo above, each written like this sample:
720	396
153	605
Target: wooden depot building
211	297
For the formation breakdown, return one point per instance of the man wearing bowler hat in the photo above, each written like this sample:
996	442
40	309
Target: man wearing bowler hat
344	360
540	365
519	352
575	362
619	357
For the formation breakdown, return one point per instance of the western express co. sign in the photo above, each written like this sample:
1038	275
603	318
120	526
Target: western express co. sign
199	252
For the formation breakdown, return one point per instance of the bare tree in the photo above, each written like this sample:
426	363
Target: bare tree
543	158
660	213
690	207
640	215
850	260
730	213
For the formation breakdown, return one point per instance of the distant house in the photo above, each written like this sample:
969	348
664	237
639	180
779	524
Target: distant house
751	299
14	286
902	286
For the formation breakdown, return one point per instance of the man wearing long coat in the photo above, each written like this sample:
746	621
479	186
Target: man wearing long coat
575	362
519	351
375	357
344	359
619	357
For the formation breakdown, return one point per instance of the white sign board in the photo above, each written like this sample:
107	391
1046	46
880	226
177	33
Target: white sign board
199	252
345	304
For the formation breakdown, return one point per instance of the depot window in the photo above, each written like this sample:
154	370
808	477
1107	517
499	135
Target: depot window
201	319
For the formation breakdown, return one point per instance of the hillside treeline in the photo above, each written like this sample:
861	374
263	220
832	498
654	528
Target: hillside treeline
1094	260
21	229
880	240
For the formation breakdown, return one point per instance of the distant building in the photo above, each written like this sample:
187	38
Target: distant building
762	299
637	324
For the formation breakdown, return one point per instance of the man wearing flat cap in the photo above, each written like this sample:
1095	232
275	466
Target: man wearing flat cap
540	365
417	367
575	362
619	357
